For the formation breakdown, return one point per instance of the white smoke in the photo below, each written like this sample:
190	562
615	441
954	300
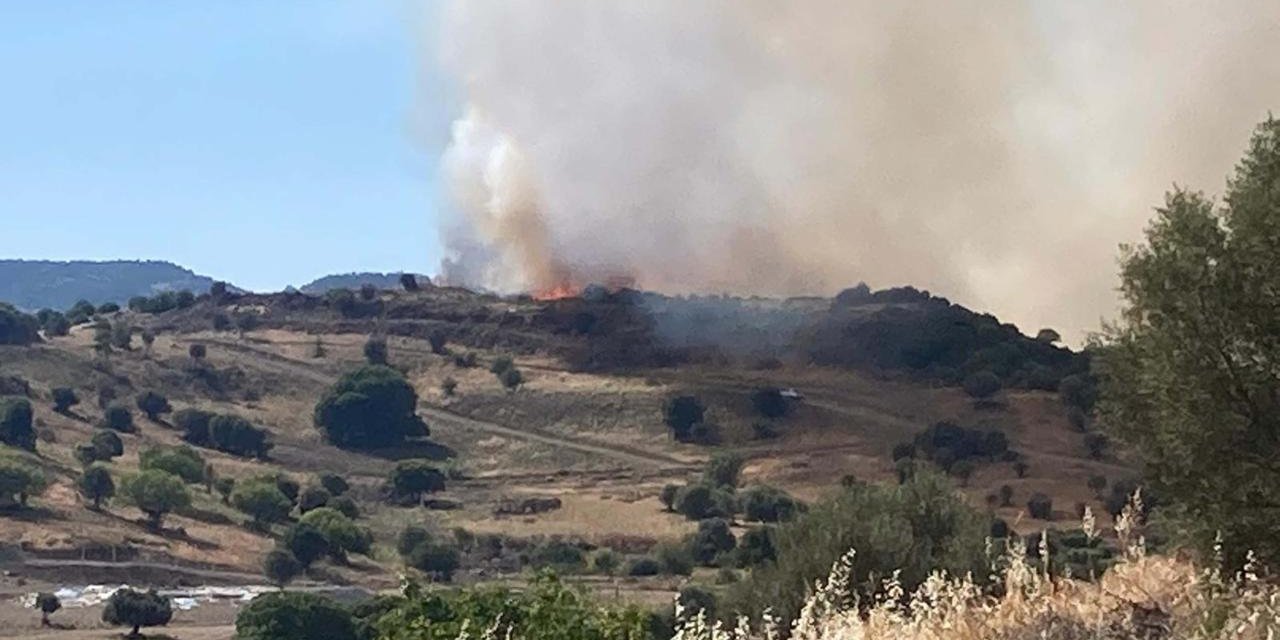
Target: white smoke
992	151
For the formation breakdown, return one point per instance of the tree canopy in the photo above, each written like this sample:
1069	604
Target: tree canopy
373	406
1189	374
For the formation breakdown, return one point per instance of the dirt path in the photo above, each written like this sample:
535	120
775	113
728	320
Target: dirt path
450	420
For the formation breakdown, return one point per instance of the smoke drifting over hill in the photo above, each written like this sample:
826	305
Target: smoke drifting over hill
994	152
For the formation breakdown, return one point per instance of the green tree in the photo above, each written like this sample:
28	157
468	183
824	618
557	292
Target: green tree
153	405
373	406
511	378
1188	373
313	498
764	503
48	604
333	483
64	398
19	480
724	469
117	417
16	428
437	560
294	616
156	493
236	435
412	478
341	533
96	484
681	413
262	501
375	350
280	567
915	528
307	543
181	461
136	609
712	538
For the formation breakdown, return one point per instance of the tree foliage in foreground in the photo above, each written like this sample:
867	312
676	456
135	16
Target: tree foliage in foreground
917	527
1190	375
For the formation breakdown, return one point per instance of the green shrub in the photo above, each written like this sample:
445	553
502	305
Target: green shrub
346	506
294	616
117	417
261	500
16	428
280	567
701	501
373	406
724	469
712	539
342	534
19	480
307	543
313	498
440	561
96	484
1040	506
763	503
129	608
644	567
755	548
681	413
107	444
181	461
412	478
64	398
675	559
335	484
916	528
156	493
153	405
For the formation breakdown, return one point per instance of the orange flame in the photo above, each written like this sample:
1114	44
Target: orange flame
558	292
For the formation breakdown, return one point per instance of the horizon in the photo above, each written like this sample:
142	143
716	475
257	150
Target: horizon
239	141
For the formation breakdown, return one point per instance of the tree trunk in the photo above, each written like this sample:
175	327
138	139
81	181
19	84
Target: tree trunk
134	633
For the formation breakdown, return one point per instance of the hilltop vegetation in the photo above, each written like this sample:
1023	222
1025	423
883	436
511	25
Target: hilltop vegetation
40	284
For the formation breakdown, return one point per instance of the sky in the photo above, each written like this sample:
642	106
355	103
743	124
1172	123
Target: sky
263	143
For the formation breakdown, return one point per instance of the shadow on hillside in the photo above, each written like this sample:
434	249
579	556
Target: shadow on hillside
30	514
428	449
178	535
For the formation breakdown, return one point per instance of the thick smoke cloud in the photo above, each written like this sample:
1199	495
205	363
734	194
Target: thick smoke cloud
995	152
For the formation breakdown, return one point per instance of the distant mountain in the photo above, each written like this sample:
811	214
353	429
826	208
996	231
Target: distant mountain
38	284
356	280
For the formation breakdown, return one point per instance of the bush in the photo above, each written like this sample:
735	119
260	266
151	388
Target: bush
448	387
701	501
1006	495
438	339
313	498
559	554
440	561
294	616
335	484
224	487
770	403
181	461
668	496
763	503
117	417
18	481
341	533
280	567
221	322
915	528
1096	445
408	282
64	398
693	600
237	436
96	484
306	543
262	500
346	506
412	478
156	493
605	561
1040	506
375	351
194	424
129	608
763	431
675	559
16	428
17	327
464	360
723	470
644	567
372	407
197	351
511	378
712	539
681	413
48	604
411	538
152	405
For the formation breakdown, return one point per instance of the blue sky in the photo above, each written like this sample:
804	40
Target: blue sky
265	143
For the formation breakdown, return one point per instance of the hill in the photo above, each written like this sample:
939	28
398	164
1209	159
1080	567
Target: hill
357	280
41	284
565	463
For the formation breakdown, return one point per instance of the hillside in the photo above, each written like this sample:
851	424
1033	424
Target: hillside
576	456
48	284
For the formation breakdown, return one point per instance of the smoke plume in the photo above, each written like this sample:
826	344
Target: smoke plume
995	152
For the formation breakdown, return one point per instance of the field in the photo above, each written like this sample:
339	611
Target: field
593	439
